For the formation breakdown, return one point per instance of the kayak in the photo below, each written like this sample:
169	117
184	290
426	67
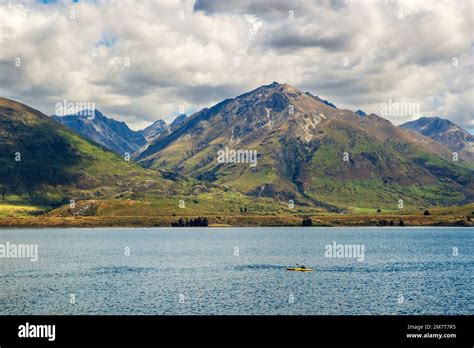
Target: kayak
300	269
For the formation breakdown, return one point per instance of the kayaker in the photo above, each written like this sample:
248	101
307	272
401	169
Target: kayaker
302	265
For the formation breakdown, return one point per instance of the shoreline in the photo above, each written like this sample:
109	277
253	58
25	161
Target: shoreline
238	221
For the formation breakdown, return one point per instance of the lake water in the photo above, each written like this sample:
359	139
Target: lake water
238	271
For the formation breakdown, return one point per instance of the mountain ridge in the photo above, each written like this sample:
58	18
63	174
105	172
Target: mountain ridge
301	141
153	130
114	135
306	150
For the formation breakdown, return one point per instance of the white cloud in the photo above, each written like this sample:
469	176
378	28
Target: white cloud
143	60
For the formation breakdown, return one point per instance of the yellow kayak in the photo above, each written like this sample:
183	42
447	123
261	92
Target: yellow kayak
300	269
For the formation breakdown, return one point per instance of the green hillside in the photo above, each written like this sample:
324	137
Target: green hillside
44	163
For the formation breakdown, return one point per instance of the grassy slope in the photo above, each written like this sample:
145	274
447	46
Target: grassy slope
214	202
58	165
96	173
358	182
449	216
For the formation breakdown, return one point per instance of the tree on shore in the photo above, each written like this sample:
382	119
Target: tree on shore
197	222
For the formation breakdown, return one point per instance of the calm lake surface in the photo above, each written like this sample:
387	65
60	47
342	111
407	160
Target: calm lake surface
238	271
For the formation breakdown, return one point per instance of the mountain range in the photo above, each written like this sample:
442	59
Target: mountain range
306	150
311	151
114	135
45	165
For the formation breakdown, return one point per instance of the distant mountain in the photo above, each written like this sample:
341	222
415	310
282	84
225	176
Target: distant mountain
45	163
154	130
444	131
179	120
312	152
112	134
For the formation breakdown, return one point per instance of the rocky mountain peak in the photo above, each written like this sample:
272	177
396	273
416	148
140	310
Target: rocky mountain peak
114	135
447	133
178	120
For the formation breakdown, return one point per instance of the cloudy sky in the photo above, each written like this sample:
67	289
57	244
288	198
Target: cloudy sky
140	60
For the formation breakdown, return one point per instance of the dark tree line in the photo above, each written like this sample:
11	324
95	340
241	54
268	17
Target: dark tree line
197	222
390	223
